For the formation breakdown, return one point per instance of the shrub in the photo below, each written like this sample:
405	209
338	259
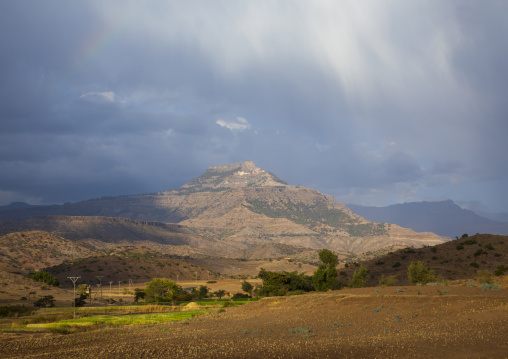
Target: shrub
459	247
484	276
396	264
359	277
46	301
500	270
441	280
489	286
479	252
15	311
389	281
44	277
433	249
183	297
489	246
241	296
419	272
474	265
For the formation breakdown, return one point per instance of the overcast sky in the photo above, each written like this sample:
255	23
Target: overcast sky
374	102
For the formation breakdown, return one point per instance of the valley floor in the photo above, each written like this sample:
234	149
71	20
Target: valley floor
389	322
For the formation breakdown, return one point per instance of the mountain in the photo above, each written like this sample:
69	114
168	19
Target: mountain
444	218
230	208
16	205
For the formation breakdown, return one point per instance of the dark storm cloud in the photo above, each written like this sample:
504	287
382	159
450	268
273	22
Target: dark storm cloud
374	103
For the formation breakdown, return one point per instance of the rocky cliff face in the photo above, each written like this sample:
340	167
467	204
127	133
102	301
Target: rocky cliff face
236	175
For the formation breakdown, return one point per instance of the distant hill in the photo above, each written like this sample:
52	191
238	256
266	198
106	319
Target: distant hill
16	205
444	218
223	212
454	260
24	252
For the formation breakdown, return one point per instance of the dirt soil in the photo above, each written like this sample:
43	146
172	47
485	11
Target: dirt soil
390	322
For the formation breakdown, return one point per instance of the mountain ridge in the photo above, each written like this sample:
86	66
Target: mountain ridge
444	218
234	206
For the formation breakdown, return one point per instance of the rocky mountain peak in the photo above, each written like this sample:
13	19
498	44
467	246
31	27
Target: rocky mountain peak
235	175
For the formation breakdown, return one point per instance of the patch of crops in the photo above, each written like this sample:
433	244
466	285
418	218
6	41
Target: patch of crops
151	318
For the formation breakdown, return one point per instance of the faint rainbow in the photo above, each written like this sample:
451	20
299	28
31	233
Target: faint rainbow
96	44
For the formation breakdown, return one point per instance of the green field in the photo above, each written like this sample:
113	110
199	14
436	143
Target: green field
150	318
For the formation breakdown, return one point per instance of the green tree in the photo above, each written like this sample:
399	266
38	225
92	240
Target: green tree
324	277
139	294
359	277
46	301
44	277
203	291
247	287
419	273
280	283
220	293
161	290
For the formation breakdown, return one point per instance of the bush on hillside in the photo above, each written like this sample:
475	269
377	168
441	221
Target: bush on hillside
388	281
484	276
359	277
419	273
44	277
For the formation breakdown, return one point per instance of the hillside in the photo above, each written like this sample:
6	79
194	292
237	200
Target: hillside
225	212
454	260
444	218
24	252
114	230
129	269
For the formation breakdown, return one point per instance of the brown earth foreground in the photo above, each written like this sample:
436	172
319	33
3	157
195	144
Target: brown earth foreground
389	322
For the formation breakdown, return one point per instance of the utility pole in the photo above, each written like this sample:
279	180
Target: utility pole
178	275
110	291
119	293
99	287
74	279
99	277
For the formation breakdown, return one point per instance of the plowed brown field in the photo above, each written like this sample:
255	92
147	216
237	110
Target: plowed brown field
410	322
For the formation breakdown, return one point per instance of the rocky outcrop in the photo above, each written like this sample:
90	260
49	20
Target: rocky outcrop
237	175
